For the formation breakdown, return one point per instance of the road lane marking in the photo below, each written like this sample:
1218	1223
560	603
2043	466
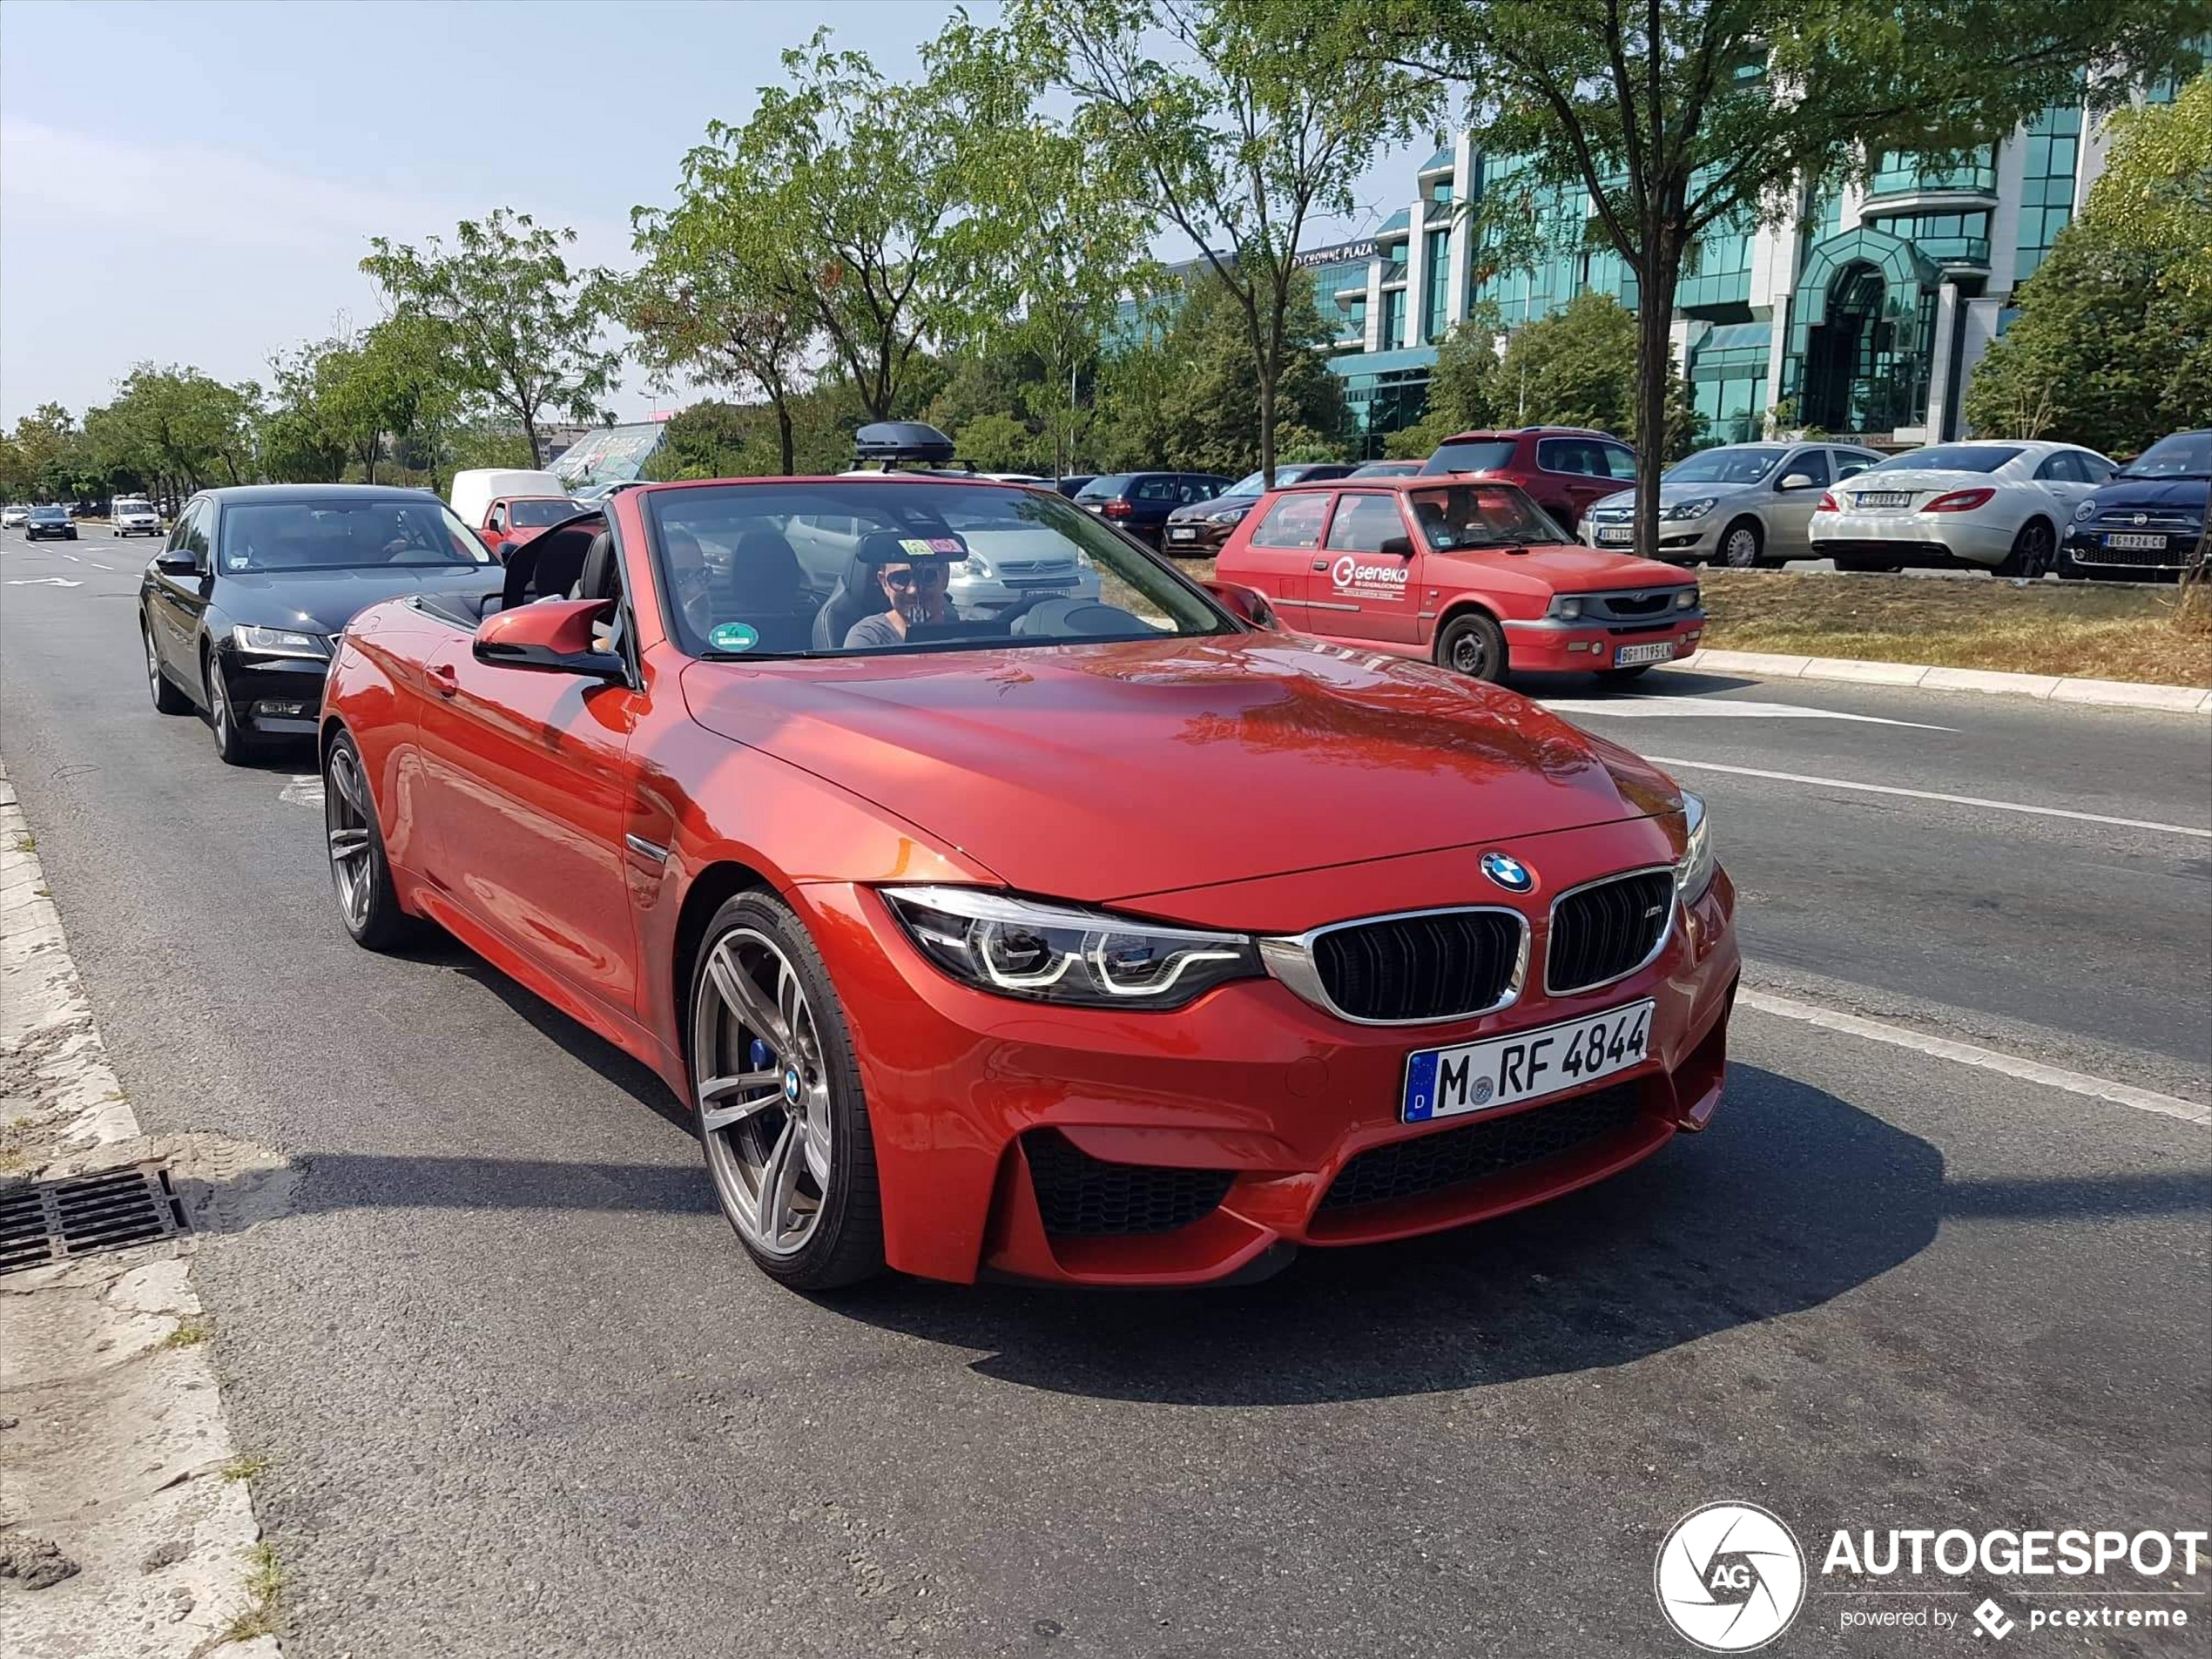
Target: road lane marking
304	790
42	582
1690	708
1930	794
1965	1053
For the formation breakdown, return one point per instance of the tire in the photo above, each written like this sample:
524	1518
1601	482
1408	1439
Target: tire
1742	546
361	874
2034	552
1473	644
1622	676
233	744
167	699
763	1009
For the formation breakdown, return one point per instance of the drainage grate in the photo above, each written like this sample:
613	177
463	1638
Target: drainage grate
55	1220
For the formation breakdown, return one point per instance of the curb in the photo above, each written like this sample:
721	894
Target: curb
2045	688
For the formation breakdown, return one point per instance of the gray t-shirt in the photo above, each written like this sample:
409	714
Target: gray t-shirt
873	633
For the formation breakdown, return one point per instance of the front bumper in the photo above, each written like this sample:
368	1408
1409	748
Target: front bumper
275	696
1194	535
990	595
1250	1098
1550	646
1911	539
2090	548
1681	542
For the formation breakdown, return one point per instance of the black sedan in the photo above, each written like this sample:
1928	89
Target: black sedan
2145	520
44	522
238	612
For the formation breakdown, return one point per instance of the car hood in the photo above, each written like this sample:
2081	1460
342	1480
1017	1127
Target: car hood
2151	492
1192	511
1581	569
323	602
1669	494
1100	770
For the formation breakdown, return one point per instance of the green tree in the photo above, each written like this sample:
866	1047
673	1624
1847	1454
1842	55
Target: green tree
179	428
519	326
304	438
1679	116
1261	121
1578	366
2155	197
47	447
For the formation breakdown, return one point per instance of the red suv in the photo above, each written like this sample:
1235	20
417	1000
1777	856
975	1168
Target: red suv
1565	467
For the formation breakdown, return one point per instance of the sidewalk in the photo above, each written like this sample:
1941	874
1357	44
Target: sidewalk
2120	694
127	1518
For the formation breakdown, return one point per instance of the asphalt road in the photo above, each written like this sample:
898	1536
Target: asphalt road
522	1395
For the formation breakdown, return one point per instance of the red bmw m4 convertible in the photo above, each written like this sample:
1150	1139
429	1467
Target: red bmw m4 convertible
1124	940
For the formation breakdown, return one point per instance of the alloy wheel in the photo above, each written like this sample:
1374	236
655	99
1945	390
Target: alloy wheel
763	1092
344	814
153	664
218	705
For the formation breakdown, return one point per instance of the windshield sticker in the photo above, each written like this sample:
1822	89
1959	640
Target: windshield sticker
733	636
922	549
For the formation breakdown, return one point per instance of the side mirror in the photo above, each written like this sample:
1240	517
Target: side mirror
1798	480
175	561
1246	604
1398	547
553	635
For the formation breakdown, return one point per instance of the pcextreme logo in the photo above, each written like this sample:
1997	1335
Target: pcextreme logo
1730	1577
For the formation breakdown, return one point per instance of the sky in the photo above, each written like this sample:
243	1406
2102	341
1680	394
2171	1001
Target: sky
196	183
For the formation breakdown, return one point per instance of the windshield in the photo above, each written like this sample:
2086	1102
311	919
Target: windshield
537	515
2186	454
824	569
1105	488
1949	457
345	534
1255	484
1485	454
1481	515
1728	466
47	515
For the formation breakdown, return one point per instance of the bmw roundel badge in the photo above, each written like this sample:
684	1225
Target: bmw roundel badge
1508	872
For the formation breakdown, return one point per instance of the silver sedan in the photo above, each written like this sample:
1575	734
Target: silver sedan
1741	504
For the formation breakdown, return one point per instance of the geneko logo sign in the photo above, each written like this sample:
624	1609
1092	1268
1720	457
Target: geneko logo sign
1348	572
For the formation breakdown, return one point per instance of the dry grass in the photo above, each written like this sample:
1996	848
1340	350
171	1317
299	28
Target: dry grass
2090	631
2156	635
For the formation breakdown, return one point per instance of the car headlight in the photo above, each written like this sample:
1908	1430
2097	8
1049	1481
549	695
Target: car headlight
1049	952
1567	609
971	569
279	642
1686	600
1697	508
1694	870
1228	515
2086	511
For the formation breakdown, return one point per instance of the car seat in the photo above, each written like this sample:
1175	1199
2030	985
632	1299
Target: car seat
857	593
551	564
765	588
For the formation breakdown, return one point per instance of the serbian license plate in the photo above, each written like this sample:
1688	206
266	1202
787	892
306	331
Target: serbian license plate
2136	538
1615	534
1183	533
1504	1071
1628	656
1883	498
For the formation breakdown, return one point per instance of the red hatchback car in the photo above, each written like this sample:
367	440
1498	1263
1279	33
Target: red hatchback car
1565	469
1469	574
1119	941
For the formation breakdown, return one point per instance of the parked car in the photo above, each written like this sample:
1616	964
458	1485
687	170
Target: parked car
1741	504
12	517
1386	469
474	488
1204	526
237	613
1991	505
133	515
1139	502
1071	486
1565	468
904	925
1469	573
48	524
512	520
2148	517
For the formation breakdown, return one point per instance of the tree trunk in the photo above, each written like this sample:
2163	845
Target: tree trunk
1267	373
1655	283
530	431
783	434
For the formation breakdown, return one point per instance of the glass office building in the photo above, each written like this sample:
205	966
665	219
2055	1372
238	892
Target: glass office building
1864	313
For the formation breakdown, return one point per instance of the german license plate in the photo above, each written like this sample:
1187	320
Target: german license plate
1615	534
1628	656
1524	1065
1883	497
1182	534
2135	538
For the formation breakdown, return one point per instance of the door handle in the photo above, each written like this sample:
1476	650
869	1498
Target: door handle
443	679
1320	565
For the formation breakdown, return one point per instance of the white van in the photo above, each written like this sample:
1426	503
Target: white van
476	489
133	515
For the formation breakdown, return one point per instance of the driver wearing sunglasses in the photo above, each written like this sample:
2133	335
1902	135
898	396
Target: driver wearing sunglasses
916	593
